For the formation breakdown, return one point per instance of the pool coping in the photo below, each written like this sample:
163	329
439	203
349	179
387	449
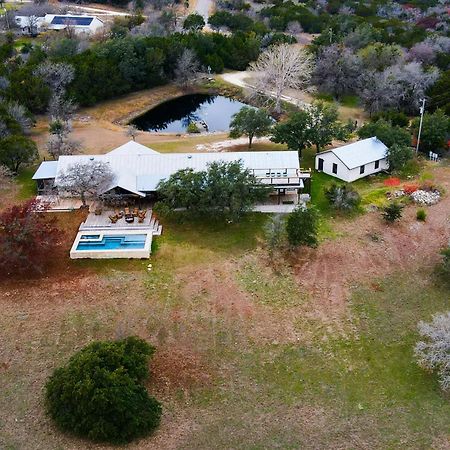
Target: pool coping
139	253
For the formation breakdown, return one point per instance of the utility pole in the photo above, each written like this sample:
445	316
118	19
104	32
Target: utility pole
422	110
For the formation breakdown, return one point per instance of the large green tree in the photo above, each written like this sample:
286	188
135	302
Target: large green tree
324	125
99	393
17	150
293	132
250	122
224	189
317	125
434	133
386	133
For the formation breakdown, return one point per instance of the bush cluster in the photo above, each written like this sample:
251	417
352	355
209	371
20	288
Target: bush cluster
99	394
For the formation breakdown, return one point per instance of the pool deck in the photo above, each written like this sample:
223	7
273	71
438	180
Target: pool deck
101	224
102	221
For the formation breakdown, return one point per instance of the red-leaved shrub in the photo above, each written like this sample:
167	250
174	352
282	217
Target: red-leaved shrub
27	238
392	181
408	189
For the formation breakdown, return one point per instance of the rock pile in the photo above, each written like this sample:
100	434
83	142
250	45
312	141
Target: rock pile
426	197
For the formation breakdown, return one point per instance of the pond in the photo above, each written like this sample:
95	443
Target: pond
175	115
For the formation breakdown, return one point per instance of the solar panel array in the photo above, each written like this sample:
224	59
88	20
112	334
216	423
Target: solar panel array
73	20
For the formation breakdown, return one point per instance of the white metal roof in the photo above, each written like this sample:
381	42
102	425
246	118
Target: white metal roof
361	152
47	169
144	168
133	148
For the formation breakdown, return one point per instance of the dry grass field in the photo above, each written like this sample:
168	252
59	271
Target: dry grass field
315	355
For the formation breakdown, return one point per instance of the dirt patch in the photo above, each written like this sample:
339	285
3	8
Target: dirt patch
178	369
213	289
329	271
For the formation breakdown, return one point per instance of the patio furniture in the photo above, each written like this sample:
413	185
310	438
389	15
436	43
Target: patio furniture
127	211
98	211
118	213
113	218
135	212
129	218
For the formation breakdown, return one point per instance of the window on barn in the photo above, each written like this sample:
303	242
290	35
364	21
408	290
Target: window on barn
377	164
361	169
335	168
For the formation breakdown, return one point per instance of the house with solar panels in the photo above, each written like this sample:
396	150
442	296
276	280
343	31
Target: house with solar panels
81	24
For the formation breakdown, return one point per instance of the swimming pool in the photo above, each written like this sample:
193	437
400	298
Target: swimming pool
111	242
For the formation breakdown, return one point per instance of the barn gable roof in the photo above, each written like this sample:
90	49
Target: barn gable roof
359	153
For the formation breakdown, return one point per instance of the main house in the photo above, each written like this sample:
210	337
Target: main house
138	170
353	161
81	24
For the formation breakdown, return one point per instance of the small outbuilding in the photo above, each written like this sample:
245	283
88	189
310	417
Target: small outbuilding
353	161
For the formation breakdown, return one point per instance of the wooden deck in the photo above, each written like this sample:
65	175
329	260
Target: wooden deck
103	222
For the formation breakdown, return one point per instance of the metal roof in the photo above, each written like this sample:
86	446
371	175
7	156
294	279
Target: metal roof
133	148
83	21
361	152
143	171
46	170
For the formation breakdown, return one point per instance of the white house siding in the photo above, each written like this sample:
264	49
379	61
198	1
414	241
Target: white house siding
343	172
369	169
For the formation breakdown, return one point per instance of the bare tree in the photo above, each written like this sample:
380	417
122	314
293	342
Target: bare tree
132	132
59	142
61	108
56	75
187	68
337	70
19	114
34	13
433	353
85	180
58	146
280	67
5	178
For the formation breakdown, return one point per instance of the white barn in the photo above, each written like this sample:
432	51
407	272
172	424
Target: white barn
353	161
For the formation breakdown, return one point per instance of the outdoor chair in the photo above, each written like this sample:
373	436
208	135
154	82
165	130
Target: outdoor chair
127	211
129	218
113	218
135	212
118	213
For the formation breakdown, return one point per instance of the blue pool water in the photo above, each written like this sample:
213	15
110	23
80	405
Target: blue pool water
113	242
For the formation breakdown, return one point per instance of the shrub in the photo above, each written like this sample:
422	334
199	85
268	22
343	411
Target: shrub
408	189
433	352
99	393
301	227
342	197
192	128
398	156
392	212
421	215
392	181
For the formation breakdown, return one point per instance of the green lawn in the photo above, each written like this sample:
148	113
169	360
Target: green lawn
27	185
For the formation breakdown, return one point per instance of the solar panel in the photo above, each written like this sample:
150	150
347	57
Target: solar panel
79	21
